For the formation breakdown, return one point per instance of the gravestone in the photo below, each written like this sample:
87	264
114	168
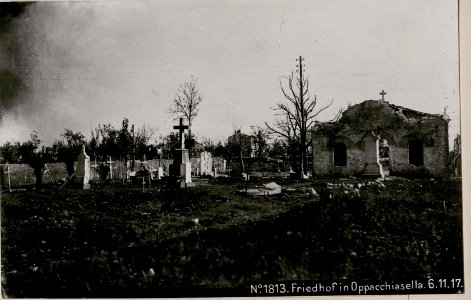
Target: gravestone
181	166
157	173
372	166
82	173
160	169
206	163
144	175
94	167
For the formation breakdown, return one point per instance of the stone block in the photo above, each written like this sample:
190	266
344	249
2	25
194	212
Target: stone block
181	170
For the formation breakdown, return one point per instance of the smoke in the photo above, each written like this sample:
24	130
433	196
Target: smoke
13	65
37	48
9	11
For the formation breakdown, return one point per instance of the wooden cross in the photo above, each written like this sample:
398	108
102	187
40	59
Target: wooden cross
8	171
382	94
111	167
94	166
181	128
47	171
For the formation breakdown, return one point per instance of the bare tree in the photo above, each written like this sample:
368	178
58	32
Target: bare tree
186	101
260	137
146	132
297	115
142	140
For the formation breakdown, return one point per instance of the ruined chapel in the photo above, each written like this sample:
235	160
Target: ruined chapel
378	138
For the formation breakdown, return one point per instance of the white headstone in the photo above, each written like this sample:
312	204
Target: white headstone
187	178
206	163
82	174
160	173
372	165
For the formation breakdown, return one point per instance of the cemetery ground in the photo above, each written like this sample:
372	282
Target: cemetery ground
115	241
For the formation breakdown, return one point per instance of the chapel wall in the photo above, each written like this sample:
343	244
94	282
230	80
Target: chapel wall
399	126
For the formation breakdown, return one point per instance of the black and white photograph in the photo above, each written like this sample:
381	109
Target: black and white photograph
233	148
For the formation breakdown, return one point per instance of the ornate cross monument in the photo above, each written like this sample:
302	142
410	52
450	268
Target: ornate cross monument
181	129
181	166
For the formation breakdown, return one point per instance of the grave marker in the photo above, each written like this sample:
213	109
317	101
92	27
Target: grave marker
5	170
206	163
110	162
372	166
82	174
181	166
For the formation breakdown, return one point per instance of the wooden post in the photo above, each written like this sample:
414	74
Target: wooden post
8	173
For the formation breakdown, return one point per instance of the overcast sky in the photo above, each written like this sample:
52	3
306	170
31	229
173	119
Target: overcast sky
84	63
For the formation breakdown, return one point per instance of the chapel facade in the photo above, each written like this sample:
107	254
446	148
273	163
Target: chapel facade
409	142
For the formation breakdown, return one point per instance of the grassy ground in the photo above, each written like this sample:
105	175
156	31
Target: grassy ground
120	242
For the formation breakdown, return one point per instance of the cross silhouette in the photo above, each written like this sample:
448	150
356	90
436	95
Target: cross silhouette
111	167
8	171
382	94
181	128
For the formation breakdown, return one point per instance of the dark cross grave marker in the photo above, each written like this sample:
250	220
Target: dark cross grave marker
382	94
181	128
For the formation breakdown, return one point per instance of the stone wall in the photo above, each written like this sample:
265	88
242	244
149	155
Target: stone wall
22	174
399	126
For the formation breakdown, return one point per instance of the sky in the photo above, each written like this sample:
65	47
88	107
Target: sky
79	64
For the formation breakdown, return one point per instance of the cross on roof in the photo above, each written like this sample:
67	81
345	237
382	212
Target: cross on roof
181	128
382	94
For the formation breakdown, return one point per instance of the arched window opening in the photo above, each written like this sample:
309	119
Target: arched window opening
340	154
416	153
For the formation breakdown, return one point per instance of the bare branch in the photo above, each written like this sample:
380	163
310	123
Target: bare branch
186	101
337	116
324	108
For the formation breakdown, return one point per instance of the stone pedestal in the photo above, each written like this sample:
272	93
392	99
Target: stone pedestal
181	166
372	166
82	173
159	173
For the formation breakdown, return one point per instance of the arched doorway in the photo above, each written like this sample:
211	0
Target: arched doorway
416	153
340	154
